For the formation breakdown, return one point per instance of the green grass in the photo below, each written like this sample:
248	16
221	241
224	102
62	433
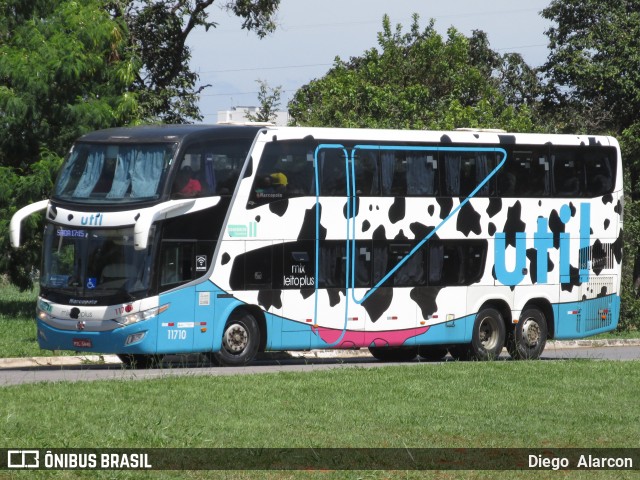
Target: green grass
499	404
17	322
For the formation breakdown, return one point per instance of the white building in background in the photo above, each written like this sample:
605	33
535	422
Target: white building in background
239	115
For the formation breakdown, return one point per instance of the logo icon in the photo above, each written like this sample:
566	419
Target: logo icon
23	459
80	325
201	263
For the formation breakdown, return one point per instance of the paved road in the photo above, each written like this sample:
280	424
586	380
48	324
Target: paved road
23	372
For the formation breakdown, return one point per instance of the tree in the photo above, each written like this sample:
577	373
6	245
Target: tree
269	103
69	67
421	80
593	74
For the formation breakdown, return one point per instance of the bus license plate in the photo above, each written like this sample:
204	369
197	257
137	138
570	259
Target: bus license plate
82	342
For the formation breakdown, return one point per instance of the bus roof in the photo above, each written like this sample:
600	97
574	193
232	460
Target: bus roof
168	133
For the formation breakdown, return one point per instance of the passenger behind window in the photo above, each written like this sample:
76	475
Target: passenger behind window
186	185
271	186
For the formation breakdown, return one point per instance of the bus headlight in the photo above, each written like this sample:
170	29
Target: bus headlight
42	315
141	316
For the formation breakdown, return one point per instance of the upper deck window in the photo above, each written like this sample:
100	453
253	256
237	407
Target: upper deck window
210	168
114	172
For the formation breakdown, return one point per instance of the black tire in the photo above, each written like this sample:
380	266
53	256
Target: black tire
394	354
240	340
432	353
488	336
529	336
137	360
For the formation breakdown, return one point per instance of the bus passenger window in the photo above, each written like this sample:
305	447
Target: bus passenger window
366	173
567	174
285	171
526	174
600	169
411	273
421	173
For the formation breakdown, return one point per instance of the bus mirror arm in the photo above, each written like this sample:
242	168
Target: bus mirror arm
19	216
170	210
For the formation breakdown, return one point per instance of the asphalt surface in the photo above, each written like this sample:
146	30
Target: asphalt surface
15	371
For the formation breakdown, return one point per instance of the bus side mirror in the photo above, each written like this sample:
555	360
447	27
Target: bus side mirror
19	216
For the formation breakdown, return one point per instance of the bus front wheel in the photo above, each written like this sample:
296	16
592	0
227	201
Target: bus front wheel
240	340
529	337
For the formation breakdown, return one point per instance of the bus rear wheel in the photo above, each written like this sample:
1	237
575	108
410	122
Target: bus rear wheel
529	337
136	360
394	354
488	337
240	340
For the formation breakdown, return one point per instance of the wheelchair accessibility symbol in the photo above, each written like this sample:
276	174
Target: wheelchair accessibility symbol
91	283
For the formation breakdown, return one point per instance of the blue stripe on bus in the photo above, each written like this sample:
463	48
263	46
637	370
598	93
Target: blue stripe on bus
350	179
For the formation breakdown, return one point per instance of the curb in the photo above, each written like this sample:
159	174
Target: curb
60	361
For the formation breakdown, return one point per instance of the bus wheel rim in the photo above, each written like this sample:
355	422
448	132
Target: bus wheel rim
488	333
530	332
235	338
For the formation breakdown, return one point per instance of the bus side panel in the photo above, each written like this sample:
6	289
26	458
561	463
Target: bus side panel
587	318
455	330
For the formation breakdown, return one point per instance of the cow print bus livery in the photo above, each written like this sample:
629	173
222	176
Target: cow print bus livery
378	266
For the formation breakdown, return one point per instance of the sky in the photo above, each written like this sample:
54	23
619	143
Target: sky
311	33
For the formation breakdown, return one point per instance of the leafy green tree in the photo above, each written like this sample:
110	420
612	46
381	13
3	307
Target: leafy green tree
68	67
269	99
421	80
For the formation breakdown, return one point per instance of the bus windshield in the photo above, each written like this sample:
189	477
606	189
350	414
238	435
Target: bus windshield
95	263
114	173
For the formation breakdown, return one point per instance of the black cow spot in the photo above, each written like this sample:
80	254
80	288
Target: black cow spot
280	207
334	296
574	279
270	298
401	236
425	297
618	208
468	220
308	228
366	225
603	292
371	208
556	226
572	207
607	199
306	292
539	203
598	256
446	204
431	210
491	229
617	248
445	139
70	217
507	139
355	207
258	219
420	231
532	255
495	206
607	222
378	303
513	224
379	233
397	210
225	258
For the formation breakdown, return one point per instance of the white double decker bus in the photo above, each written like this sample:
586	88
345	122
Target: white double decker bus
238	239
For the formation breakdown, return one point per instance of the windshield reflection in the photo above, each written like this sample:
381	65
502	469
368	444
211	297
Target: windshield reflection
94	263
112	172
